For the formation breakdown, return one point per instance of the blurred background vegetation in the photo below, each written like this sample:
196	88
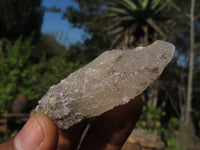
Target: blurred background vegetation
30	61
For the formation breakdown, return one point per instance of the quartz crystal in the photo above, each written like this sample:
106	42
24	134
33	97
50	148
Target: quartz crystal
112	79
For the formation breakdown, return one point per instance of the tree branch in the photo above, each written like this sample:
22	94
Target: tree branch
177	8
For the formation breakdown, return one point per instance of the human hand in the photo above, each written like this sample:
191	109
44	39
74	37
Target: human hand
108	132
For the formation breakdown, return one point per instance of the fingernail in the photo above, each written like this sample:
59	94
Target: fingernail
31	135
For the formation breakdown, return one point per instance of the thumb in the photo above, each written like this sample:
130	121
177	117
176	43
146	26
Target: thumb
39	133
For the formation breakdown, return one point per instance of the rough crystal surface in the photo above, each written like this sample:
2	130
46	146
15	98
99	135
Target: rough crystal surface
111	79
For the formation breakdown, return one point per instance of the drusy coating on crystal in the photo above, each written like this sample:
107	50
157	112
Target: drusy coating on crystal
113	78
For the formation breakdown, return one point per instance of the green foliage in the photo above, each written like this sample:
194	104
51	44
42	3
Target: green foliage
151	120
170	133
47	47
89	17
120	23
173	123
20	74
20	17
172	145
171	130
131	21
12	63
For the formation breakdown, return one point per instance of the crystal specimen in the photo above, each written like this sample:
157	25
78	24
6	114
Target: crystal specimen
111	79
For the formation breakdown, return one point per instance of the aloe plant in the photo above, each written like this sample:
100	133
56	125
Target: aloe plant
133	22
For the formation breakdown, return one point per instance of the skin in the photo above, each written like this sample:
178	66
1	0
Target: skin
108	132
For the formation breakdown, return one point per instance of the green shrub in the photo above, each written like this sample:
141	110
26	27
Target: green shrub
151	121
12	62
151	118
20	75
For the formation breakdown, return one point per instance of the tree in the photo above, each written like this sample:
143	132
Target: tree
187	25
116	19
89	17
191	64
136	22
47	47
20	17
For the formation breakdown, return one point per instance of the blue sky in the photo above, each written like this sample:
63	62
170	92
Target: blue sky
54	24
